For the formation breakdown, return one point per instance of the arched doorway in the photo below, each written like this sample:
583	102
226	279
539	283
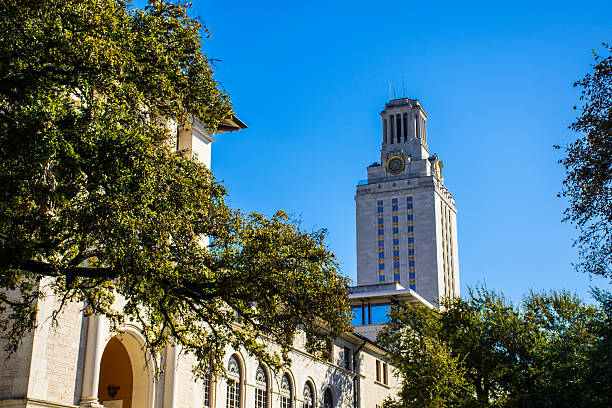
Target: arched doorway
116	379
128	369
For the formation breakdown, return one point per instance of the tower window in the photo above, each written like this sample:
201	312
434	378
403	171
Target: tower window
405	126
392	127
398	124
385	131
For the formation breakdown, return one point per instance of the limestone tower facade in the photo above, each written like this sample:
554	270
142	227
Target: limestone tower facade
406	217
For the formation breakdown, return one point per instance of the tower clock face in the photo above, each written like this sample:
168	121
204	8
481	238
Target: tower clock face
395	165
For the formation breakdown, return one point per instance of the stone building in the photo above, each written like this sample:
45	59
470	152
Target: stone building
406	223
80	363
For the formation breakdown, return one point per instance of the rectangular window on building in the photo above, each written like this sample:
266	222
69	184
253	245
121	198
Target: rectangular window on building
396	230
410	228
411	263
328	353
347	358
395	253
396	277
381	278
396	241
378	371
207	384
381	232
395	218
410	217
385	374
358	315
408	198
411	240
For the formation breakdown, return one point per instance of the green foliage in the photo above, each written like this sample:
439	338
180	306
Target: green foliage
485	352
588	165
97	207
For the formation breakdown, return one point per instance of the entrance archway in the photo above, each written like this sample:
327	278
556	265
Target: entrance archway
126	372
116	380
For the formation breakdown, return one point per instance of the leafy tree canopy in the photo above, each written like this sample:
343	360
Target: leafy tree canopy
483	351
588	165
96	205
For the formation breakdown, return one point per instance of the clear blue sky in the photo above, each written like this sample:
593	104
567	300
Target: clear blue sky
495	78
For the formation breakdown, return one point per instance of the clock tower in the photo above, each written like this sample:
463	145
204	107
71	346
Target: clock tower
406	217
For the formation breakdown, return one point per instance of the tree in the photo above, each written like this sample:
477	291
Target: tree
490	353
96	204
588	165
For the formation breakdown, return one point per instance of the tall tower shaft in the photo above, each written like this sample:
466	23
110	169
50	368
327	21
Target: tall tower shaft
406	217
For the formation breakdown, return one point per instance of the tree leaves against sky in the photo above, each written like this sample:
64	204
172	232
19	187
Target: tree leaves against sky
96	205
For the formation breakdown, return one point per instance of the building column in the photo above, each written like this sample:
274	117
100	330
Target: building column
170	387
93	357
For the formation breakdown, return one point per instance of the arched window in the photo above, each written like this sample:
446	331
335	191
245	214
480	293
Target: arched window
328	399
234	379
261	388
308	396
285	392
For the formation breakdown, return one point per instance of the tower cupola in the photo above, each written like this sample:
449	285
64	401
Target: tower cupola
404	129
